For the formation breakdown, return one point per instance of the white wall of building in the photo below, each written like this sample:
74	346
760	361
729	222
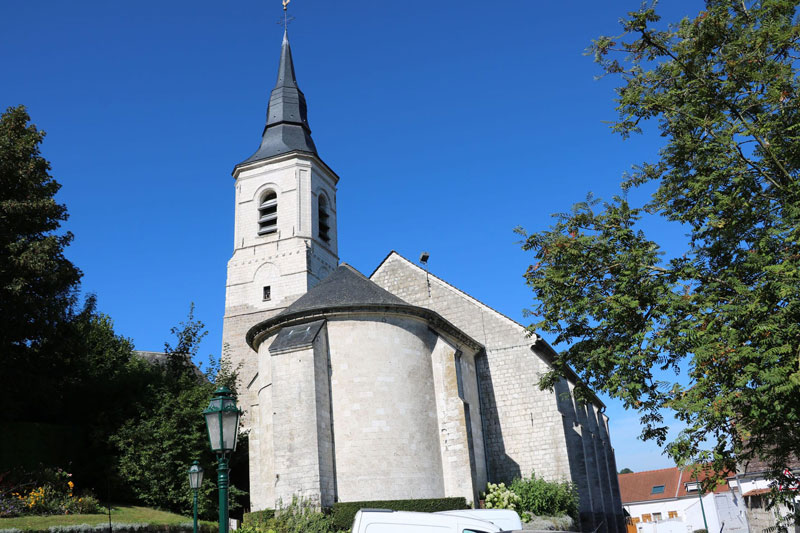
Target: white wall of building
724	512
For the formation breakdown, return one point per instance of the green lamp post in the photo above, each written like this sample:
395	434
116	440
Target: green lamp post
195	480
222	420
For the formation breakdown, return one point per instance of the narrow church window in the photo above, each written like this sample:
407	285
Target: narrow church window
267	293
268	214
324	224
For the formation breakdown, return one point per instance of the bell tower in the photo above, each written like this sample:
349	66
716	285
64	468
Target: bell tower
285	224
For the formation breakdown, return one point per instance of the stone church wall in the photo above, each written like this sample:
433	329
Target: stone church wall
526	430
458	410
384	409
290	261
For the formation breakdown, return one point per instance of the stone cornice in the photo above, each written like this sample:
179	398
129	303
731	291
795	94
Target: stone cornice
242	167
266	328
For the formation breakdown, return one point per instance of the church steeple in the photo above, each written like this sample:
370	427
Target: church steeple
287	127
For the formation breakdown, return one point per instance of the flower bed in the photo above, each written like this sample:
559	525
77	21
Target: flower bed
46	492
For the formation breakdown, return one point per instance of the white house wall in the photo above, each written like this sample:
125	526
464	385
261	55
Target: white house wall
690	513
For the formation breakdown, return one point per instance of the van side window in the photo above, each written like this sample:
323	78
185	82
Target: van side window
473	531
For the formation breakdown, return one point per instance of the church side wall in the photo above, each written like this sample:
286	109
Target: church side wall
456	439
472	405
614	498
525	430
594	465
580	452
523	427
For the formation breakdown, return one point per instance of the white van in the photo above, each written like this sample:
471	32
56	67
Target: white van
386	521
504	518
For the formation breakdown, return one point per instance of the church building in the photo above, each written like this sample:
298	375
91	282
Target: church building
392	386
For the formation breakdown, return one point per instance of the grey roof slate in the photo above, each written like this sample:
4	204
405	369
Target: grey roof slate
294	337
344	287
346	290
287	127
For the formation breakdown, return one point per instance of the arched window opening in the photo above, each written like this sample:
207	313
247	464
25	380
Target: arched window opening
324	224
268	214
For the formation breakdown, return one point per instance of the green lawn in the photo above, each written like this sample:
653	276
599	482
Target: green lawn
127	514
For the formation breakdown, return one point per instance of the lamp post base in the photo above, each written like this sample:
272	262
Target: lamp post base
195	511
222	485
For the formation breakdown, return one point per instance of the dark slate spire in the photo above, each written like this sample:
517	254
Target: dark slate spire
287	121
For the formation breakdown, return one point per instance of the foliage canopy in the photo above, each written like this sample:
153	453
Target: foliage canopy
37	283
126	426
156	446
712	333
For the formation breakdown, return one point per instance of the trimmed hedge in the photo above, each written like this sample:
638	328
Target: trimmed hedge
120	528
256	518
343	513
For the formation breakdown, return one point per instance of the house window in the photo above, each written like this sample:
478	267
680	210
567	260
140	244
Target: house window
692	487
324	219
657	489
673	514
656	517
635	520
647	518
267	295
268	214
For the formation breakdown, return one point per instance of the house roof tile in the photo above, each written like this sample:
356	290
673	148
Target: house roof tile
638	486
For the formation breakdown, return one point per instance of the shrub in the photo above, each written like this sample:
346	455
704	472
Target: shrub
343	513
300	516
257	519
87	504
546	498
498	496
551	523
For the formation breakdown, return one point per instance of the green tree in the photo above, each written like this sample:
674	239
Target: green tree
55	354
626	471
710	334
38	284
106	379
158	444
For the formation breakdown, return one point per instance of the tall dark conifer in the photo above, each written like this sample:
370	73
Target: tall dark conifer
37	283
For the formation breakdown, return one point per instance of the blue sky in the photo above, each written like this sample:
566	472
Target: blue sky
449	123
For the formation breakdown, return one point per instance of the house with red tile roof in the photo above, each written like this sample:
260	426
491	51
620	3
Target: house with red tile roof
671	500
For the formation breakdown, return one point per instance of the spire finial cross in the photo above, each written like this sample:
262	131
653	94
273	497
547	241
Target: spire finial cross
286	18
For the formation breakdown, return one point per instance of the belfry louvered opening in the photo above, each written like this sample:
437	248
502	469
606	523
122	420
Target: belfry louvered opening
268	214
324	223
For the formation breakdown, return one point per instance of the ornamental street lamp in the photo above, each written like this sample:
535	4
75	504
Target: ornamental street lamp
195	480
222	420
